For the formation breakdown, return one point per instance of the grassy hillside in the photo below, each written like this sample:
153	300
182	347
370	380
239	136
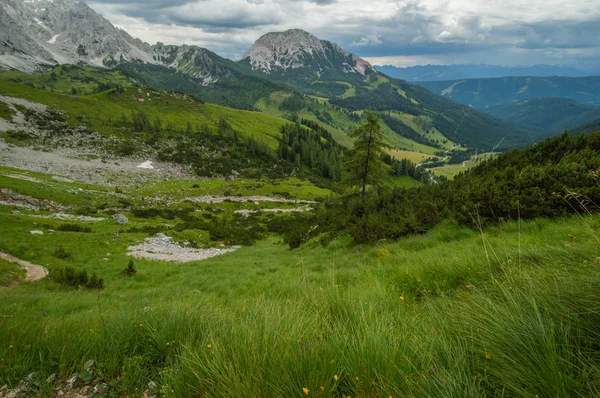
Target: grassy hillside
549	115
485	93
133	123
457	123
410	292
103	110
243	88
232	85
69	79
431	315
354	92
340	121
82	86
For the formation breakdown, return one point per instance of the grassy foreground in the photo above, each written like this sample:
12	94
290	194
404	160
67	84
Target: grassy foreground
512	311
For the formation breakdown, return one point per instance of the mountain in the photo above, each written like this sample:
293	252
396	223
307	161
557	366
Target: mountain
425	73
39	34
299	57
550	115
276	76
348	83
485	93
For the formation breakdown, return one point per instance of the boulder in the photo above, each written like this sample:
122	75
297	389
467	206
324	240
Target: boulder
120	219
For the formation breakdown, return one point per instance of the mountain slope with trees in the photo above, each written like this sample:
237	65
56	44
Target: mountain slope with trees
549	115
485	93
430	73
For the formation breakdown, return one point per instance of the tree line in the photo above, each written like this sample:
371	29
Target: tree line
556	177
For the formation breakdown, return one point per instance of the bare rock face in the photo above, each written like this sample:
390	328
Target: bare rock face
296	48
38	34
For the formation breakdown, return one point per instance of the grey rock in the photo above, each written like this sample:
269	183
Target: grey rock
120	219
100	389
52	378
74	381
152	385
64	216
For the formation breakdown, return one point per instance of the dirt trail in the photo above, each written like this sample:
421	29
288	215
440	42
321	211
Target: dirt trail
34	272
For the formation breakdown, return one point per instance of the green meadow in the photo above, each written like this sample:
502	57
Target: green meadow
494	305
511	310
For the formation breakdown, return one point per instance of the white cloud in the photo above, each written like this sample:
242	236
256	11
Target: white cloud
405	30
370	40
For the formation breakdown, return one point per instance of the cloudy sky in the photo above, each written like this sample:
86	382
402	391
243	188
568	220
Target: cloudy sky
401	33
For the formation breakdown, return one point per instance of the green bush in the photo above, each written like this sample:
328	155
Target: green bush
167	214
62	254
69	276
69	227
130	269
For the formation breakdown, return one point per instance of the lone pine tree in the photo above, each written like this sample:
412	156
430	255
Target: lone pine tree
364	164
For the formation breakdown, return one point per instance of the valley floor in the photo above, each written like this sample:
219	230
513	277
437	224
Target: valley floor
512	310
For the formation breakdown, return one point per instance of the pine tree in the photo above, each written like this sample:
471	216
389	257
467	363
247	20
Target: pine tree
364	163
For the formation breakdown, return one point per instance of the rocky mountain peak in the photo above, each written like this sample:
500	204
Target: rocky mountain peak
36	34
296	48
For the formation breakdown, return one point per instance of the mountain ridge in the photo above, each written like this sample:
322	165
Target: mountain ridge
549	115
429	73
41	34
484	93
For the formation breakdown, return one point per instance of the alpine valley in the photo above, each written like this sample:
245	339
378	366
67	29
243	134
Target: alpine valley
293	223
283	74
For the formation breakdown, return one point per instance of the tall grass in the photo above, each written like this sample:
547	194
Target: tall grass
426	316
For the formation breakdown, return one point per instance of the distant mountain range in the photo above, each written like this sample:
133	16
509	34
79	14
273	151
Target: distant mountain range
485	93
426	73
550	115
